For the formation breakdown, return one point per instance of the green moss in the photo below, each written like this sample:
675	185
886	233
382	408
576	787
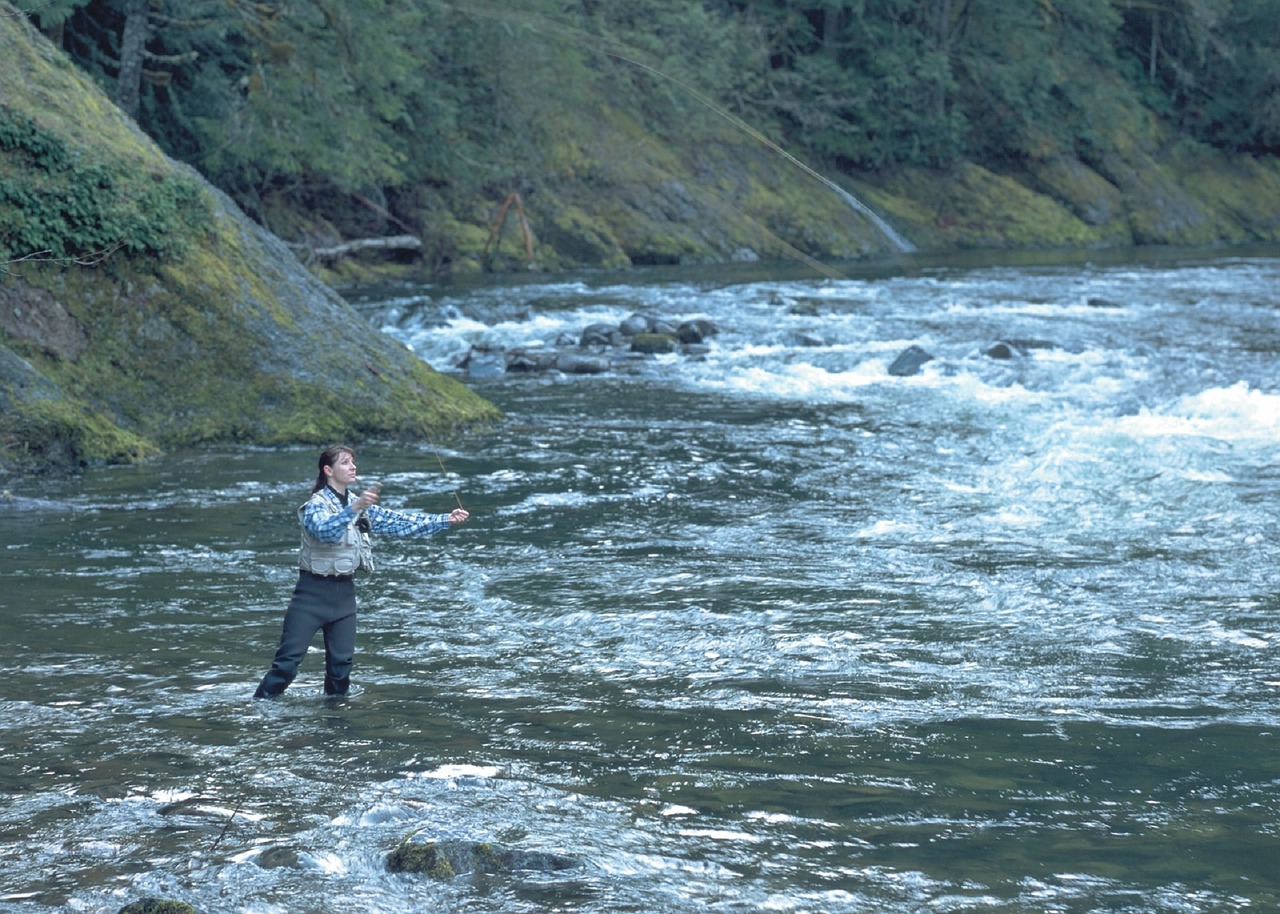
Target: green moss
574	235
411	857
76	201
973	207
654	343
1244	193
38	434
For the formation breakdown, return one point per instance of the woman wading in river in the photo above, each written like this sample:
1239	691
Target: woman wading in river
335	545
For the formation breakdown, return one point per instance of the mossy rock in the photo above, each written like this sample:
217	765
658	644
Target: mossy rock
447	859
64	433
653	343
199	327
158	906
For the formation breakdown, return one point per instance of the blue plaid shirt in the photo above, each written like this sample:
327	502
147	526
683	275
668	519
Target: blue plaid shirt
325	517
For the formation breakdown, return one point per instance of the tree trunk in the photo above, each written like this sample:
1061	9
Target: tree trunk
1155	45
133	43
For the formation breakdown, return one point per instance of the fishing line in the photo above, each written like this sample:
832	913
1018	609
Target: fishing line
440	460
231	818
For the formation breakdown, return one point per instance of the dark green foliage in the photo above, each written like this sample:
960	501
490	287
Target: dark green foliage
73	203
1214	65
367	114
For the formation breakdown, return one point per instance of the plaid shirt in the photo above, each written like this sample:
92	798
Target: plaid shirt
325	517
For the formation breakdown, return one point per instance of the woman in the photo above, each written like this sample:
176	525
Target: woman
335	545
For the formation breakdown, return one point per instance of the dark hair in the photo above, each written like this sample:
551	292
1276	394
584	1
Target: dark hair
328	457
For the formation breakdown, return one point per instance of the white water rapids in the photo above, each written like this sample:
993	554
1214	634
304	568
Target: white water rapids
763	628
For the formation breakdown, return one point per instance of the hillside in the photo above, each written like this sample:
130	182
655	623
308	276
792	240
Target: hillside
191	324
669	132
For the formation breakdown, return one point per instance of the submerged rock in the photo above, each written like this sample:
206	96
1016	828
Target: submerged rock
571	363
447	859
11	502
1008	349
157	906
484	362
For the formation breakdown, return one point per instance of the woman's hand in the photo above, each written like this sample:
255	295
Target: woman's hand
367	498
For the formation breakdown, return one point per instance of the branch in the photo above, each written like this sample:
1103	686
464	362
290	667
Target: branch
92	259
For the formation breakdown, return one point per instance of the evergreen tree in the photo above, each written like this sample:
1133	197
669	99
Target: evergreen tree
400	106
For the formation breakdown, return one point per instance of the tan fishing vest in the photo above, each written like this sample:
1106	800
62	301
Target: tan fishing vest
352	553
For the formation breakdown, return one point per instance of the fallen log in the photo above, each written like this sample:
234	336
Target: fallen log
390	242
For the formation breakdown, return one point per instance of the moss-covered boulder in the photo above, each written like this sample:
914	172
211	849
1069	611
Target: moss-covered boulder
654	343
141	310
447	859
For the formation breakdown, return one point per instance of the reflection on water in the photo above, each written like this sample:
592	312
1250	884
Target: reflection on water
766	630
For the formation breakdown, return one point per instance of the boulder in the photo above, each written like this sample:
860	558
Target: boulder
695	331
600	335
636	323
1008	349
909	362
653	343
573	363
484	362
530	360
447	859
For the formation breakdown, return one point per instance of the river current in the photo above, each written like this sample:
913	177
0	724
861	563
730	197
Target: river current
761	628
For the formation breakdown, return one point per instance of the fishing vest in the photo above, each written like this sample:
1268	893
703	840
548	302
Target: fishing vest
352	553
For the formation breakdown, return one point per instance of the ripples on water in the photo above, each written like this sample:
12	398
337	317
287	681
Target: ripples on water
767	630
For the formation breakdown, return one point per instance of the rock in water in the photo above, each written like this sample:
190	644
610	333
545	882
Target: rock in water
158	906
446	859
653	343
909	362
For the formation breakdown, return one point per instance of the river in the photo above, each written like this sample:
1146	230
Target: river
764	628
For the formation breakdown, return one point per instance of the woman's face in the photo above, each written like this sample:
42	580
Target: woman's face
342	472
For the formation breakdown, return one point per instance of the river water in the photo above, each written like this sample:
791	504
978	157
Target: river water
762	629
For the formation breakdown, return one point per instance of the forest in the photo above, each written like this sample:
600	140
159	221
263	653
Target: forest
333	119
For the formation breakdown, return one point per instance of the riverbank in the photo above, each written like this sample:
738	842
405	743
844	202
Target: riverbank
736	199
